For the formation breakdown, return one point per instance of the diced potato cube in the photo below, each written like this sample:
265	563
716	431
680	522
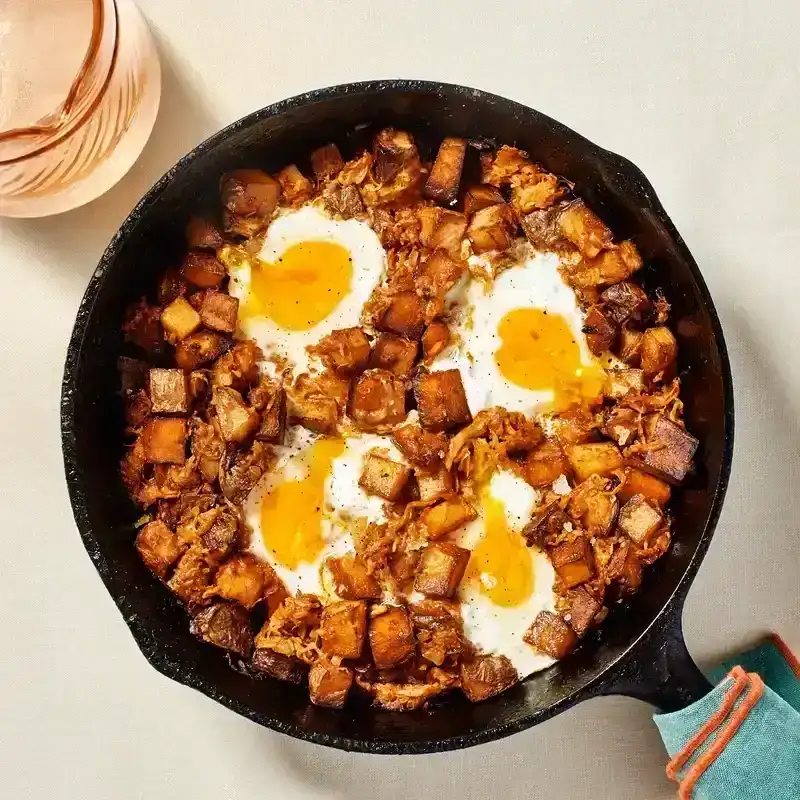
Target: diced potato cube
202	269
441	228
492	228
219	311
345	351
594	458
356	170
659	352
273	419
352	579
377	398
575	426
343	201
164	440
611	266
534	189
159	547
545	464
629	346
391	637
223	535
237	421
572	562
435	339
639	519
481	196
328	685
445	174
179	320
326	162
673	459
142	326
581	226
542	229
441	400
404	316
249	193
383	477
550	635
600	331
639	482
440	569
225	625
279	666
447	516
439	629
198	349
202	234
422	448
594	507
486	676
343	628
394	353
622	381
438	274
621	424
582	608
311	406
242	578
431	483
169	391
295	187
192	577
625	568
624	301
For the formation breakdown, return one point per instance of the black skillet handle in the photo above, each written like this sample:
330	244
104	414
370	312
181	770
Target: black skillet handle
662	672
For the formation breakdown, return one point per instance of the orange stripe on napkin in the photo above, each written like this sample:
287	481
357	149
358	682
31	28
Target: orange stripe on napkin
791	658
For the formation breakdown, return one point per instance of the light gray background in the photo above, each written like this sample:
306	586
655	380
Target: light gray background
702	95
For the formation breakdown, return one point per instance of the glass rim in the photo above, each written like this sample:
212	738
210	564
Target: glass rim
65	126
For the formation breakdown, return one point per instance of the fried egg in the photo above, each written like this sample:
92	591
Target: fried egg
304	510
312	276
506	583
519	341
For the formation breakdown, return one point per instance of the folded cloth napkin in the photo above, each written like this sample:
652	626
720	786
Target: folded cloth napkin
742	740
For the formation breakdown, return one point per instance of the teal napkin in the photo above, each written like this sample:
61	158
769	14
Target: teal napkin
742	740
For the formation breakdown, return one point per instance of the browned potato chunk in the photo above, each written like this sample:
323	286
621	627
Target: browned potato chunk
551	635
611	266
673	459
225	625
158	546
391	637
492	228
343	201
624	301
440	569
311	406
575	426
572	562
202	269
534	189
237	421
273	418
650	487
240	473
445	175
404	696
435	339
295	187
219	311
223	535
441	400
581	226
545	464
439	630
326	162
404	316
600	331
164	440
594	458
352	579
432	483
659	351
199	348
168	391
622	381
279	666
498	168
630	345
622	425
481	196
249	193
542	230
202	234
345	351
639	519
486	676
242	578
192	577
383	477
422	448
394	353
441	228
356	170
438	275
377	398
447	516
581	610
343	628
328	685
179	320
142	326
594	506
625	568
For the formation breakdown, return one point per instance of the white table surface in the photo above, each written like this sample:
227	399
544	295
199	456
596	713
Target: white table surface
702	95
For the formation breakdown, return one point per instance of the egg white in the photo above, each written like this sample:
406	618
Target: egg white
533	281
310	223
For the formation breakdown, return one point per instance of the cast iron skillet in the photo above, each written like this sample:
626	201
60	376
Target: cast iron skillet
639	651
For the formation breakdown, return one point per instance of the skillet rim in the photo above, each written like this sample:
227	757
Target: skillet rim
160	659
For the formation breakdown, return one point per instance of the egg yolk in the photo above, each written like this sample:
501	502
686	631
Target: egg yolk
302	287
538	351
501	563
291	512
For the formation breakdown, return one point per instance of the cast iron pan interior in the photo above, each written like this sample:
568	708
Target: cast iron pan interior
638	650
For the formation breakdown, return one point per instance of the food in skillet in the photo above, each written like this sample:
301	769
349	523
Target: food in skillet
396	433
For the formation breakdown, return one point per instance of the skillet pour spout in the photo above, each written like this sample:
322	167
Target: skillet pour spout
639	650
